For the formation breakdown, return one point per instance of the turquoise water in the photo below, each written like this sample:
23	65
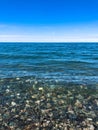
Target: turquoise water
69	62
48	86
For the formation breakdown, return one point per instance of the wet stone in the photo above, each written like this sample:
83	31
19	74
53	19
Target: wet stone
29	104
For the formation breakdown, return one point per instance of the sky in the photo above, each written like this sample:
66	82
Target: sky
48	20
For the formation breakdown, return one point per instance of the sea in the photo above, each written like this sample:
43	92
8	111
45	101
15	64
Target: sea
62	62
48	86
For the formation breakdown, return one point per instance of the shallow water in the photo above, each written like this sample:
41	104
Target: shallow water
29	104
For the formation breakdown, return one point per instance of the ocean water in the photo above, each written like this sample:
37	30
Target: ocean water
68	62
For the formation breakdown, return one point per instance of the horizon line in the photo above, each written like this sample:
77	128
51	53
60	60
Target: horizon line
48	42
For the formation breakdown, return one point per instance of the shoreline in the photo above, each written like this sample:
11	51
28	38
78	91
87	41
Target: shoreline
30	104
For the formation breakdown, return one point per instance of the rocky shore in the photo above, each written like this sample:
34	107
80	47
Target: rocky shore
30	104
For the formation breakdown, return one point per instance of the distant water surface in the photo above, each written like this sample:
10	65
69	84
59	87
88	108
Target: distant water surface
69	62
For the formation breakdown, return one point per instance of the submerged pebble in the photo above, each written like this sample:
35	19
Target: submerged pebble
41	89
13	103
46	106
7	90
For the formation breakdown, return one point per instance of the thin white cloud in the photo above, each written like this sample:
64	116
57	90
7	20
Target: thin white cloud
30	38
77	33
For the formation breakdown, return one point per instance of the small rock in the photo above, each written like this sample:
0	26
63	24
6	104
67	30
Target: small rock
7	90
89	119
81	87
48	105
1	119
17	78
34	96
78	104
13	110
62	101
48	94
28	80
29	119
27	101
35	82
18	94
27	105
91	127
97	122
37	102
13	103
40	89
69	93
96	101
72	112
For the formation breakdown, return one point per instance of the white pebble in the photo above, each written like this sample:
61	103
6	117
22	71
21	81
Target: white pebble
18	94
91	127
89	119
13	103
17	78
40	89
7	90
27	101
35	82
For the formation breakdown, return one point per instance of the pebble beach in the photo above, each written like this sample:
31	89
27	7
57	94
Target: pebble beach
30	104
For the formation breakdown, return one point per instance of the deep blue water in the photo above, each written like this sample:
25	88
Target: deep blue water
70	62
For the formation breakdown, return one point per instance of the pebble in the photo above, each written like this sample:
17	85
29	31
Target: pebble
72	112
80	97
96	101
18	94
97	122
13	103
78	104
29	119
89	119
17	78
13	110
12	95
27	101
69	93
49	108
37	102
1	119
28	80
48	94
27	105
35	82
34	96
40	89
7	90
91	127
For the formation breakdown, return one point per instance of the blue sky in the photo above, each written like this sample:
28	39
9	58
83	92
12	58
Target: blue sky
48	20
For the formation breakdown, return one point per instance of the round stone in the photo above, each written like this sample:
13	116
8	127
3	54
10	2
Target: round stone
13	103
